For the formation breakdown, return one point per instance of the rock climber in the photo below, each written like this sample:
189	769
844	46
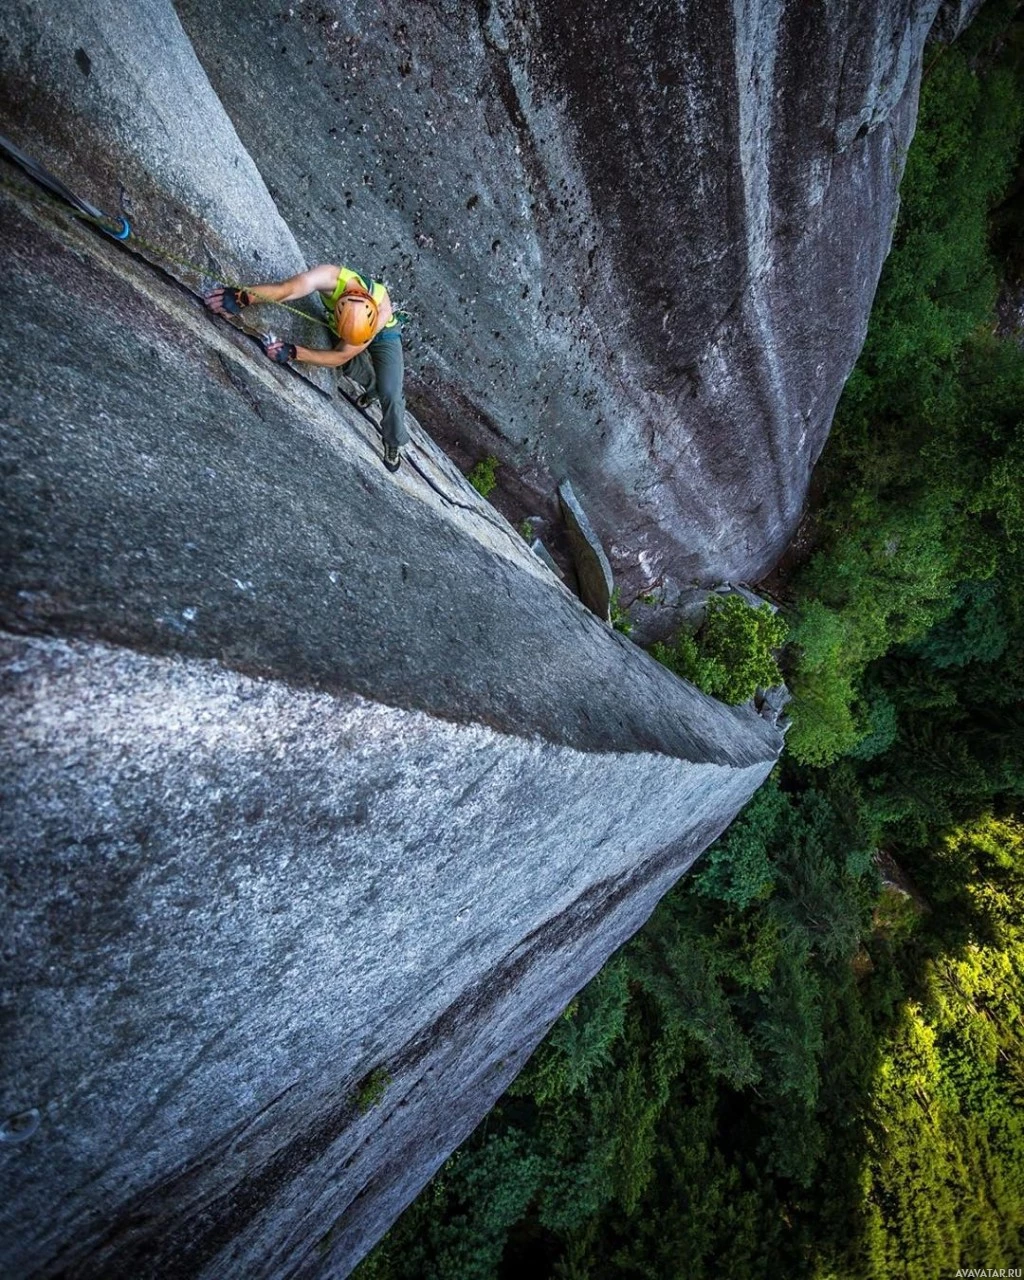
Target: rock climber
369	333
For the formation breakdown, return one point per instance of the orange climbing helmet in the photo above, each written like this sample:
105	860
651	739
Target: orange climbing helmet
355	315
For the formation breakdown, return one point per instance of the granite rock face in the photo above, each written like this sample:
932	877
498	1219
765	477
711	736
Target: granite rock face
954	16
641	241
297	759
233	901
139	133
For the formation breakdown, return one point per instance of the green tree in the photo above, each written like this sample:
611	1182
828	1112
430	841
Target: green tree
733	654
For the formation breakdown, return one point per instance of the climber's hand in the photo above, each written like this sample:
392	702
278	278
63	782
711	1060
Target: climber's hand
280	352
225	301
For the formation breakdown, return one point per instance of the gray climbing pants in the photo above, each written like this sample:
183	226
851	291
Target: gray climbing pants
381	370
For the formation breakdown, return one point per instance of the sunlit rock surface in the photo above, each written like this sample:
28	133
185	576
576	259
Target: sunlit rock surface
309	776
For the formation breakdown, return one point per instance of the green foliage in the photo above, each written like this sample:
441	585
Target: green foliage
896	916
460	1224
620	618
738	869
741	641
940	282
708	1202
925	462
880	721
484	476
725	991
732	655
975	629
980	868
683	656
371	1089
714	969
946	1108
581	1041
822	684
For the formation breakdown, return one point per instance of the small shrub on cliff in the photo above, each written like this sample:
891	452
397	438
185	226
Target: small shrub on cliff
620	618
683	656
731	657
484	476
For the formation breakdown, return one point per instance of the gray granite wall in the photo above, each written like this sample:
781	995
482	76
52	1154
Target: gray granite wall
310	775
641	241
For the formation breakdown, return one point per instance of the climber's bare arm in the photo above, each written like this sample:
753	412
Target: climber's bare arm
323	279
317	279
341	354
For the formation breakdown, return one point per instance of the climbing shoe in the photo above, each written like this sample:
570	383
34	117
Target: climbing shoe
367	399
392	457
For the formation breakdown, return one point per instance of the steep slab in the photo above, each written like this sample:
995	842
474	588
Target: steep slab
109	95
232	903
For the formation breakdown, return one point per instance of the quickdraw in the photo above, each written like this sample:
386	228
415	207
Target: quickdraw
46	179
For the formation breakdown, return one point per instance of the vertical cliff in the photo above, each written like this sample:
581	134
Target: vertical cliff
641	240
321	795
